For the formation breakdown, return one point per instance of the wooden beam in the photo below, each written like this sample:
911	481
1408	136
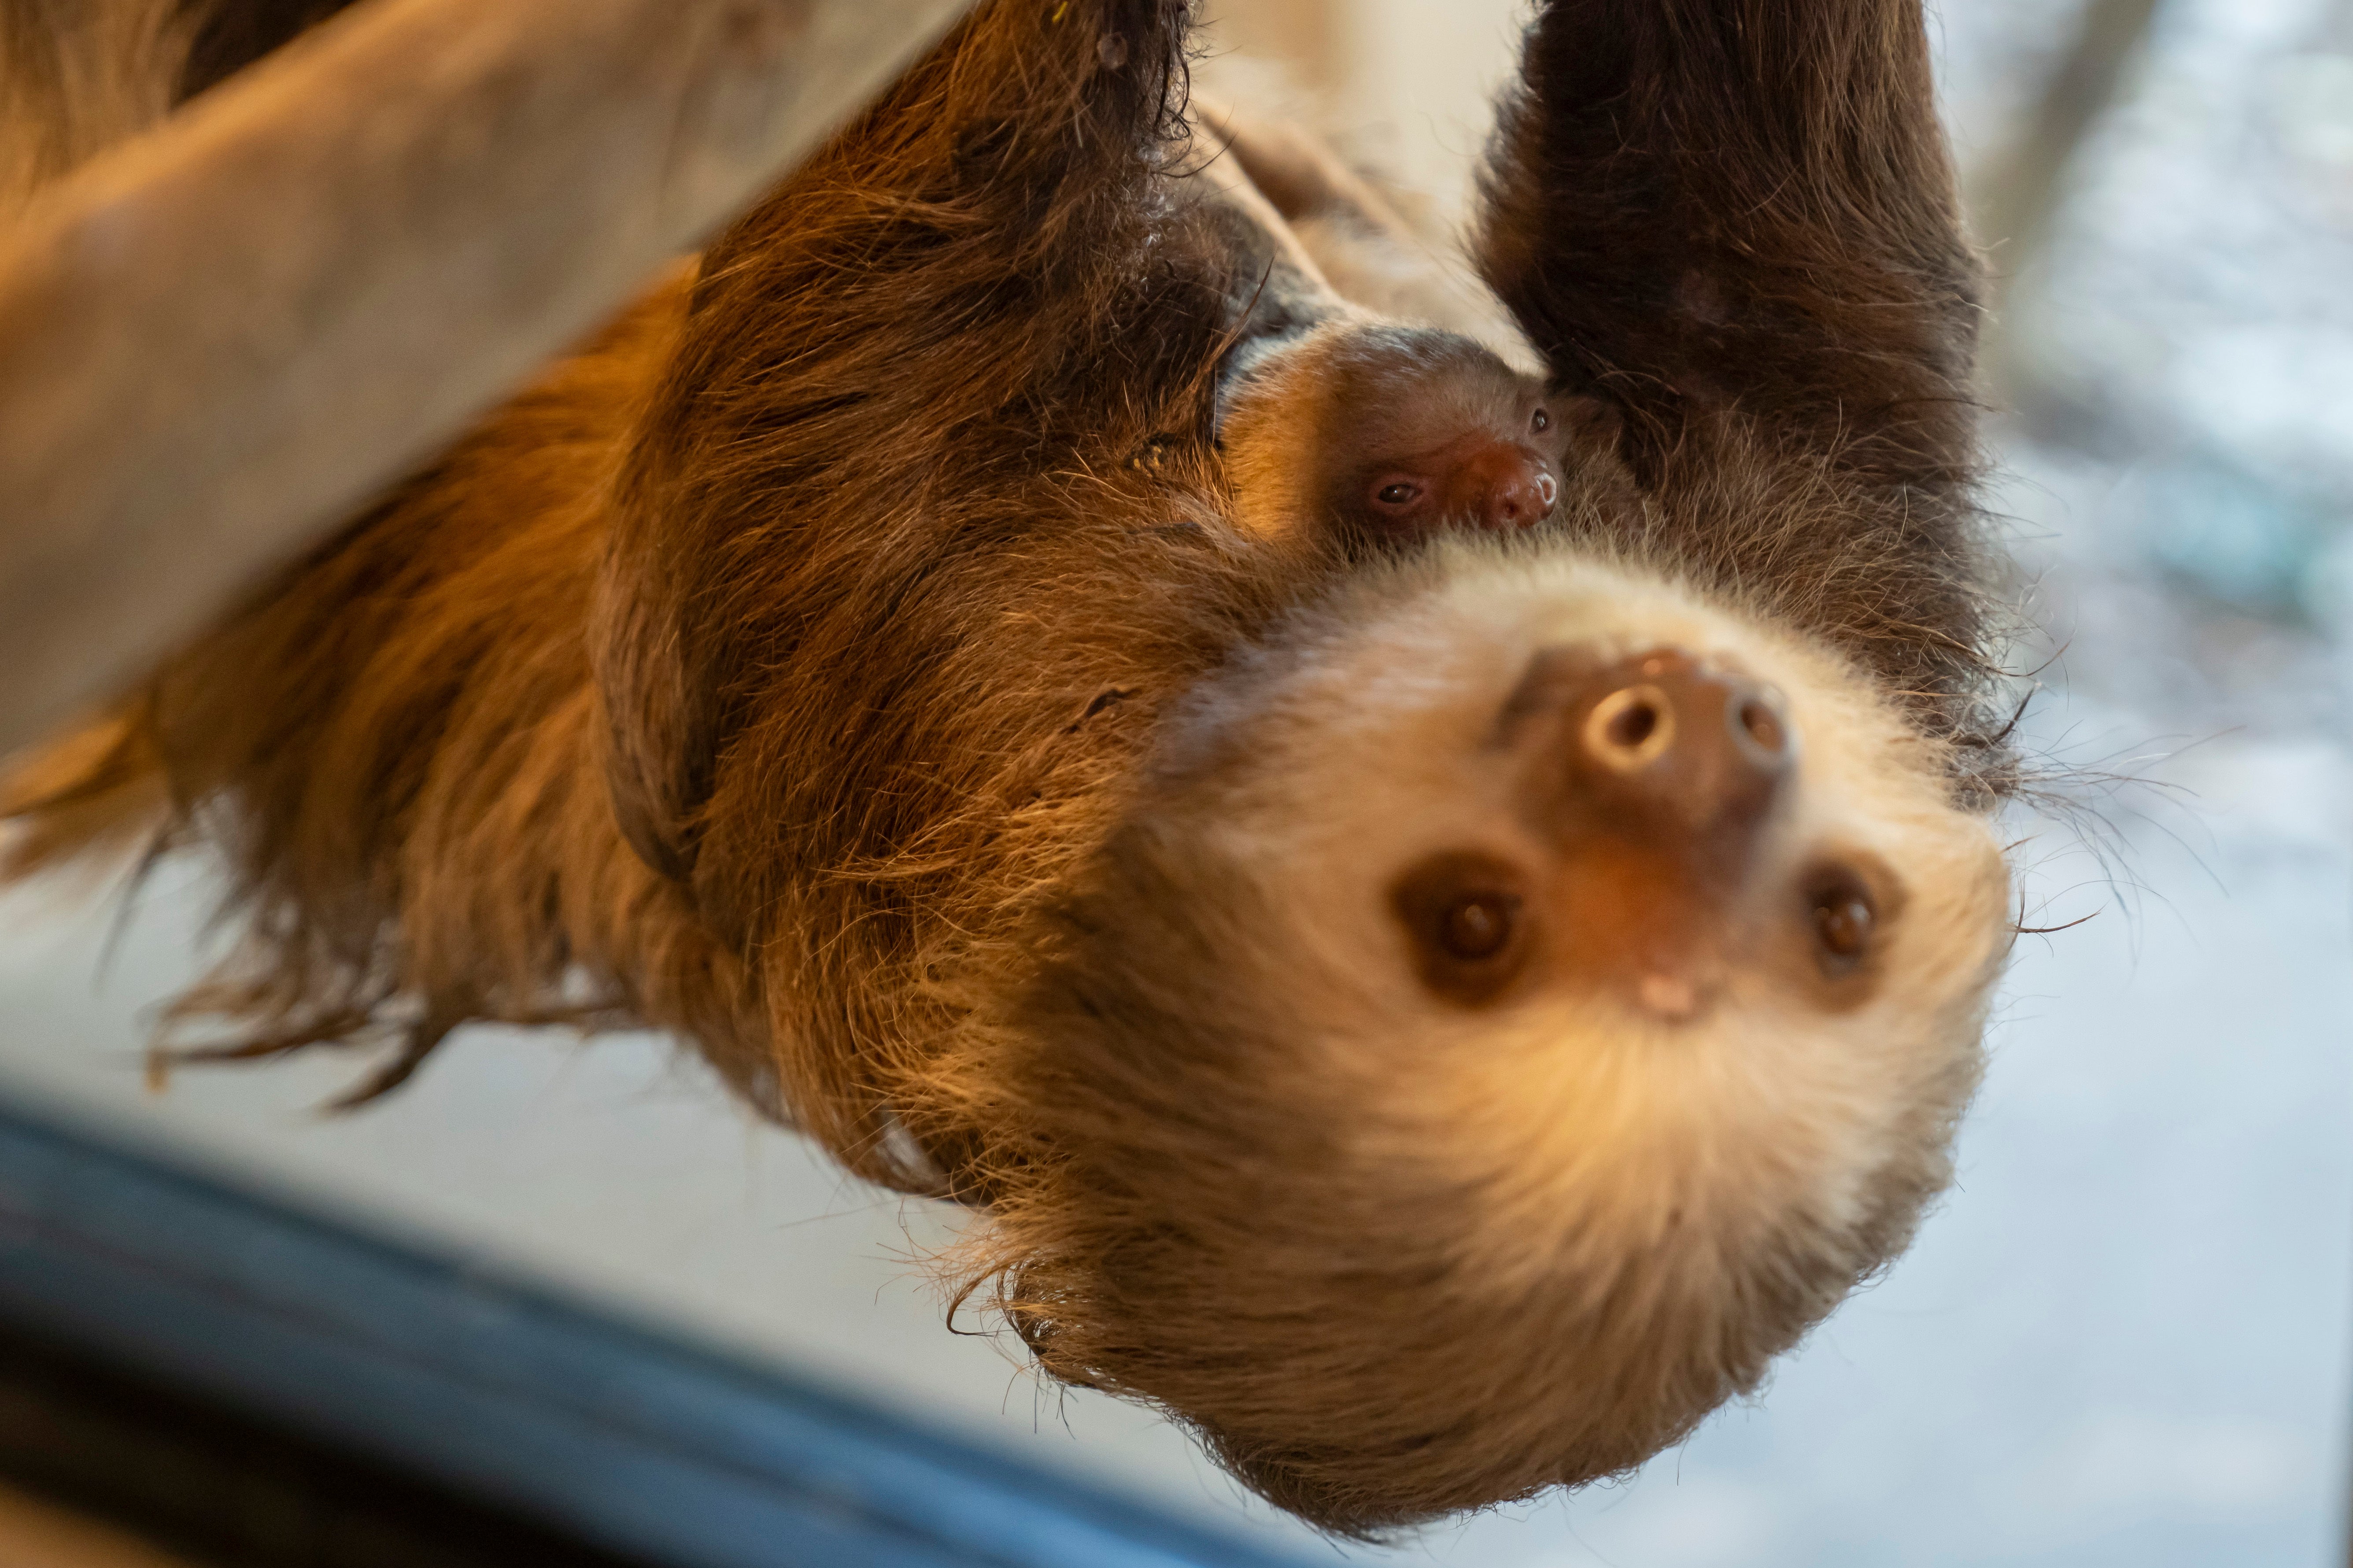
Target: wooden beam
216	340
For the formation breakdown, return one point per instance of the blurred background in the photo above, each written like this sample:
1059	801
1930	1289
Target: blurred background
2122	1339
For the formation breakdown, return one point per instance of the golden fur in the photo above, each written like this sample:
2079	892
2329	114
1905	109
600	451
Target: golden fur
851	662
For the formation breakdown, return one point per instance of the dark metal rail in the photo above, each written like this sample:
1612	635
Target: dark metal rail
508	1398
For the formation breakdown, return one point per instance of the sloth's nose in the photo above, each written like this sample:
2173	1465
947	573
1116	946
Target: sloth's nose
1505	486
1669	747
1656	778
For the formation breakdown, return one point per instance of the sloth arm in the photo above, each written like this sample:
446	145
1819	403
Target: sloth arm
921	528
964	294
1734	222
1742	203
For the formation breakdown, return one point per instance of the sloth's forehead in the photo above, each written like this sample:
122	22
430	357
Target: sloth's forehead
1435	656
1376	729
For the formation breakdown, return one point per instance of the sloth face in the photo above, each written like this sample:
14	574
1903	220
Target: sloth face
1650	924
1376	433
1525	999
1420	429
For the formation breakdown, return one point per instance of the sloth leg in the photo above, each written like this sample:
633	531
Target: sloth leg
1367	250
1298	173
1284	286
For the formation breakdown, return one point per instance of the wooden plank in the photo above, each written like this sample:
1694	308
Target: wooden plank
216	340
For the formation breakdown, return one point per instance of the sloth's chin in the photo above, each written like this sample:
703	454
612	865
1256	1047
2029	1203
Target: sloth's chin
1596	1155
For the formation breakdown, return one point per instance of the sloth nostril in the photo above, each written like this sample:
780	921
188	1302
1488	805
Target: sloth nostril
1630	727
1633	726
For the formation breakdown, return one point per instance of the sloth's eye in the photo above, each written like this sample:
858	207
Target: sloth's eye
1844	920
1476	928
1466	918
1397	494
1843	926
1542	422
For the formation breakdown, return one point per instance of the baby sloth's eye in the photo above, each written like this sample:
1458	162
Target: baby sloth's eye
1845	919
1465	918
1542	422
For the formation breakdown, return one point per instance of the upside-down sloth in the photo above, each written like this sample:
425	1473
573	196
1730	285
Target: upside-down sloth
1435	1010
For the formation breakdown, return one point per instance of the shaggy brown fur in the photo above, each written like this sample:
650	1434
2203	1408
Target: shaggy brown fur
794	669
1703	207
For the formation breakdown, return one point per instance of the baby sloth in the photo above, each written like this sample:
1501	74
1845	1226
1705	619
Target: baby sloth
1438	919
1383	431
1339	414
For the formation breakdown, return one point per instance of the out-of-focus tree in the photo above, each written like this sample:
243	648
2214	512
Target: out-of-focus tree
1303	35
2015	194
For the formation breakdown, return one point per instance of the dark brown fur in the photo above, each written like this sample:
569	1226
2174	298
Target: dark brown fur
777	672
1736	220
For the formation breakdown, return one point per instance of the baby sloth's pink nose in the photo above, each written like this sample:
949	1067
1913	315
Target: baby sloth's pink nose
1504	486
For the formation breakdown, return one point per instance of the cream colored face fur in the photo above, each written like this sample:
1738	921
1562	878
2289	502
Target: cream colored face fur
1777	1120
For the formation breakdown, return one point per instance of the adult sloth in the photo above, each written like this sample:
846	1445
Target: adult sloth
1435	1016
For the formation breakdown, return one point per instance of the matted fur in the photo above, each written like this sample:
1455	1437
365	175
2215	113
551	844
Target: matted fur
793	667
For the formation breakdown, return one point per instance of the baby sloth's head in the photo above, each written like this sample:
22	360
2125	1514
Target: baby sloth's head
1526	997
1382	431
